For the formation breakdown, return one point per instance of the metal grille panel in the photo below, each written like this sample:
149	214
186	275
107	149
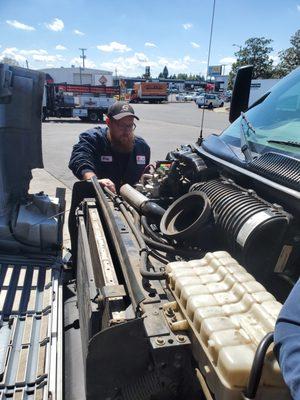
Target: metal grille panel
28	295
281	169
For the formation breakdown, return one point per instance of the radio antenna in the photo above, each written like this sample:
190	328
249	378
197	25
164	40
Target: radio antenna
200	139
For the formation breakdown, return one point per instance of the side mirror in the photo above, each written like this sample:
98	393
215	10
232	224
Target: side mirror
240	93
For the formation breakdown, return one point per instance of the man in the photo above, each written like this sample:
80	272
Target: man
287	341
113	154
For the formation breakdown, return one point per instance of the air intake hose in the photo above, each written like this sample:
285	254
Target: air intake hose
141	203
248	225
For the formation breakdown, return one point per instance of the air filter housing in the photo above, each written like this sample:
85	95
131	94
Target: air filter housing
249	227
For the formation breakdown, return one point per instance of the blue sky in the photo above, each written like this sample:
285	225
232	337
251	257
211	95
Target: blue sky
128	35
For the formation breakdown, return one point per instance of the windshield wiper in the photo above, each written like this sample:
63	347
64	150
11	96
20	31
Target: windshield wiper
245	147
286	142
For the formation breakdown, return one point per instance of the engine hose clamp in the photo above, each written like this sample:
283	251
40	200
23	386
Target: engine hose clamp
144	249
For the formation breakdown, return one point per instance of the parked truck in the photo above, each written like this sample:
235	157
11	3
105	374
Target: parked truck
153	92
87	102
179	280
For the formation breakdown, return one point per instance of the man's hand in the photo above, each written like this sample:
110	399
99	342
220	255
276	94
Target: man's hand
108	183
103	182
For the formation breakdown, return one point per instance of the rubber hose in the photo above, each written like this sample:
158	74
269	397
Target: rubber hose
150	232
143	248
257	366
165	247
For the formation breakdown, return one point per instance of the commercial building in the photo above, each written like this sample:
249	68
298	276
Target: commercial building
80	76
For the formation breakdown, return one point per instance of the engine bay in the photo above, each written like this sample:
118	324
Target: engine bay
188	271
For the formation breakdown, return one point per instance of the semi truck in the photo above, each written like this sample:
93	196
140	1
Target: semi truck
178	280
152	92
87	102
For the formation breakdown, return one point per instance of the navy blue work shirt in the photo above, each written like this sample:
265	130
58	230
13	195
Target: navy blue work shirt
287	341
94	153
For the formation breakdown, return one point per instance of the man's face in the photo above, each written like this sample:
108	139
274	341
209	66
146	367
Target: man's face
121	134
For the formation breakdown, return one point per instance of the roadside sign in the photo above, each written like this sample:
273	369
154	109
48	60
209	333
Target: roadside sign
215	70
102	80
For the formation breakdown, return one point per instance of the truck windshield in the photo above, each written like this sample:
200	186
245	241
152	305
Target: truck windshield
276	120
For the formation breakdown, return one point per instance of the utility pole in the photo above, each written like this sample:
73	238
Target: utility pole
83	56
27	65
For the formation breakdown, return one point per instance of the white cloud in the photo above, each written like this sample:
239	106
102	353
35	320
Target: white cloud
78	32
12	52
275	59
60	47
114	46
77	61
19	25
34	56
195	45
187	26
56	25
135	64
48	58
298	7
33	52
149	44
227	60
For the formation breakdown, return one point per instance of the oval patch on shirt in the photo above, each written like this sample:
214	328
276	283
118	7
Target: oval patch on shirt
141	160
106	158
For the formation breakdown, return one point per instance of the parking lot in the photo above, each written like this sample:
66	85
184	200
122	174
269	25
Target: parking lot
163	126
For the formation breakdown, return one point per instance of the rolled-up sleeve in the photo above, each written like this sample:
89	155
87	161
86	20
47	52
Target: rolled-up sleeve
83	154
287	341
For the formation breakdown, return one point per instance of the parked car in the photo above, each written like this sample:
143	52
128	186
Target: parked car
209	100
227	95
184	97
197	94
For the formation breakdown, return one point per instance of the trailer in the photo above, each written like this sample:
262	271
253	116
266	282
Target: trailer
87	102
152	92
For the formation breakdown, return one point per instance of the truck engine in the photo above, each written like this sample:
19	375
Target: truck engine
184	275
179	280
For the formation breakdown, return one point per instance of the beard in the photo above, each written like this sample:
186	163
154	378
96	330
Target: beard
122	143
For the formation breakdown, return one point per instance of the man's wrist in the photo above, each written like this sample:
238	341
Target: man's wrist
87	174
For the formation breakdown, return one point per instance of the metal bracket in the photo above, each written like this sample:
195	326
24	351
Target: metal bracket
113	291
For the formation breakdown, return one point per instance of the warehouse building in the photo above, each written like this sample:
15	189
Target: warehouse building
80	76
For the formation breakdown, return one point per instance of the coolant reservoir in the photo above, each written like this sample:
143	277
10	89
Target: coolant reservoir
229	313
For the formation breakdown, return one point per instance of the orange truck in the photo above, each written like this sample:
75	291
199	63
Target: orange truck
153	92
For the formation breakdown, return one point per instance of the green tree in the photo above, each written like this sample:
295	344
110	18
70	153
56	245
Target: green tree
182	76
256	51
165	72
289	58
10	61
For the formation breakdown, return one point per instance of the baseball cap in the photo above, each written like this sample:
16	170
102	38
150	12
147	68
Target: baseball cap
121	109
